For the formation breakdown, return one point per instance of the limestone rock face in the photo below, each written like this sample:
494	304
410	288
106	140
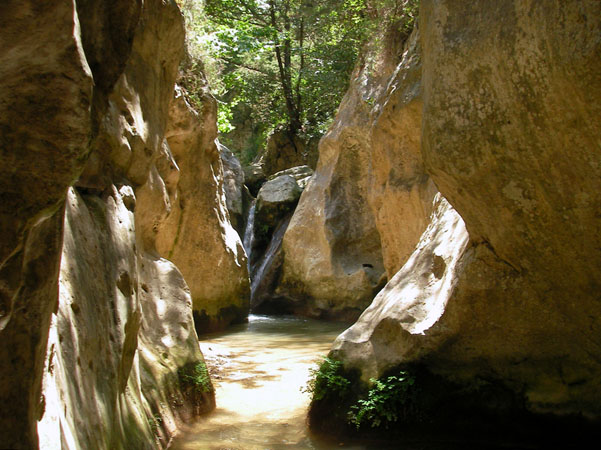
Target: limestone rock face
518	157
197	235
397	326
46	97
237	197
367	204
511	139
125	316
88	86
281	152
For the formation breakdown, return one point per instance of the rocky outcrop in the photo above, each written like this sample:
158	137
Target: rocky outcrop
276	199
50	85
283	152
86	92
274	207
197	236
302	175
122	334
392	328
237	196
511	140
364	210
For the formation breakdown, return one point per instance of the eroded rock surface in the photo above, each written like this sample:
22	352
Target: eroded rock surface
237	196
281	153
275	205
122	331
88	86
396	326
197	235
46	97
368	202
511	140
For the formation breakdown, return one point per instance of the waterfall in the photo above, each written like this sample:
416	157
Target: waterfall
249	236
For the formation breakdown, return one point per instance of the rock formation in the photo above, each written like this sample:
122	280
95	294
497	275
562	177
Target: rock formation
275	204
86	89
510	137
197	236
362	214
53	80
237	196
281	153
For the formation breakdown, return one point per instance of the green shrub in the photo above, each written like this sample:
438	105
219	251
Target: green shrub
195	375
387	401
328	380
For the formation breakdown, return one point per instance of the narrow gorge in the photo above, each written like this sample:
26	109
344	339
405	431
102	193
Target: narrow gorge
446	228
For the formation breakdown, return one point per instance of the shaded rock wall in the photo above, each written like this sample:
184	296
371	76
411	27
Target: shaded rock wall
86	90
237	196
122	330
363	212
510	138
47	92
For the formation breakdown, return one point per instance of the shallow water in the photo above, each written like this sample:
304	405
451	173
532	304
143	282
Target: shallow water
258	370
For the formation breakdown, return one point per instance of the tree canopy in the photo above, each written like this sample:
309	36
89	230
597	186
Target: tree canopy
284	63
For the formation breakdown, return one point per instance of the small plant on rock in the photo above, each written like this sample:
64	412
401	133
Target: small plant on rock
328	380
195	375
387	400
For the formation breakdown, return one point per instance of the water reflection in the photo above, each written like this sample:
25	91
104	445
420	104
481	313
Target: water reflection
258	370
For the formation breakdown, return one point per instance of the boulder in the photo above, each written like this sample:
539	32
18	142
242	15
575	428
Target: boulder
276	199
397	326
302	175
254	177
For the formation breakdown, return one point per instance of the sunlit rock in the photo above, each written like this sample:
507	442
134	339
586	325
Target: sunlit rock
510	138
197	235
367	204
399	325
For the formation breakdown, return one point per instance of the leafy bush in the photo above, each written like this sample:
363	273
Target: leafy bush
196	376
328	380
387	400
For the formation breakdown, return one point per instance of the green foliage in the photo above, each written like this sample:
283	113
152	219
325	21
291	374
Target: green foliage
290	61
387	400
155	422
328	380
196	376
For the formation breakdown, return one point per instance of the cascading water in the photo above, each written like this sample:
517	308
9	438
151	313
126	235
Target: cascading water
267	258
248	238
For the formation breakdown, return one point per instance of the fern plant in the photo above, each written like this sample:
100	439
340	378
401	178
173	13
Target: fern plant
387	401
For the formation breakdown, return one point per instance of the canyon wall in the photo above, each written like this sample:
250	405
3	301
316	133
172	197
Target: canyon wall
97	192
363	211
502	296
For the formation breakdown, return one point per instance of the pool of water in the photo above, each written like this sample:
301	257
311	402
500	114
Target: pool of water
258	370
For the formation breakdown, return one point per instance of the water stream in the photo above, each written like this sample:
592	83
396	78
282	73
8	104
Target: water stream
258	370
248	238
